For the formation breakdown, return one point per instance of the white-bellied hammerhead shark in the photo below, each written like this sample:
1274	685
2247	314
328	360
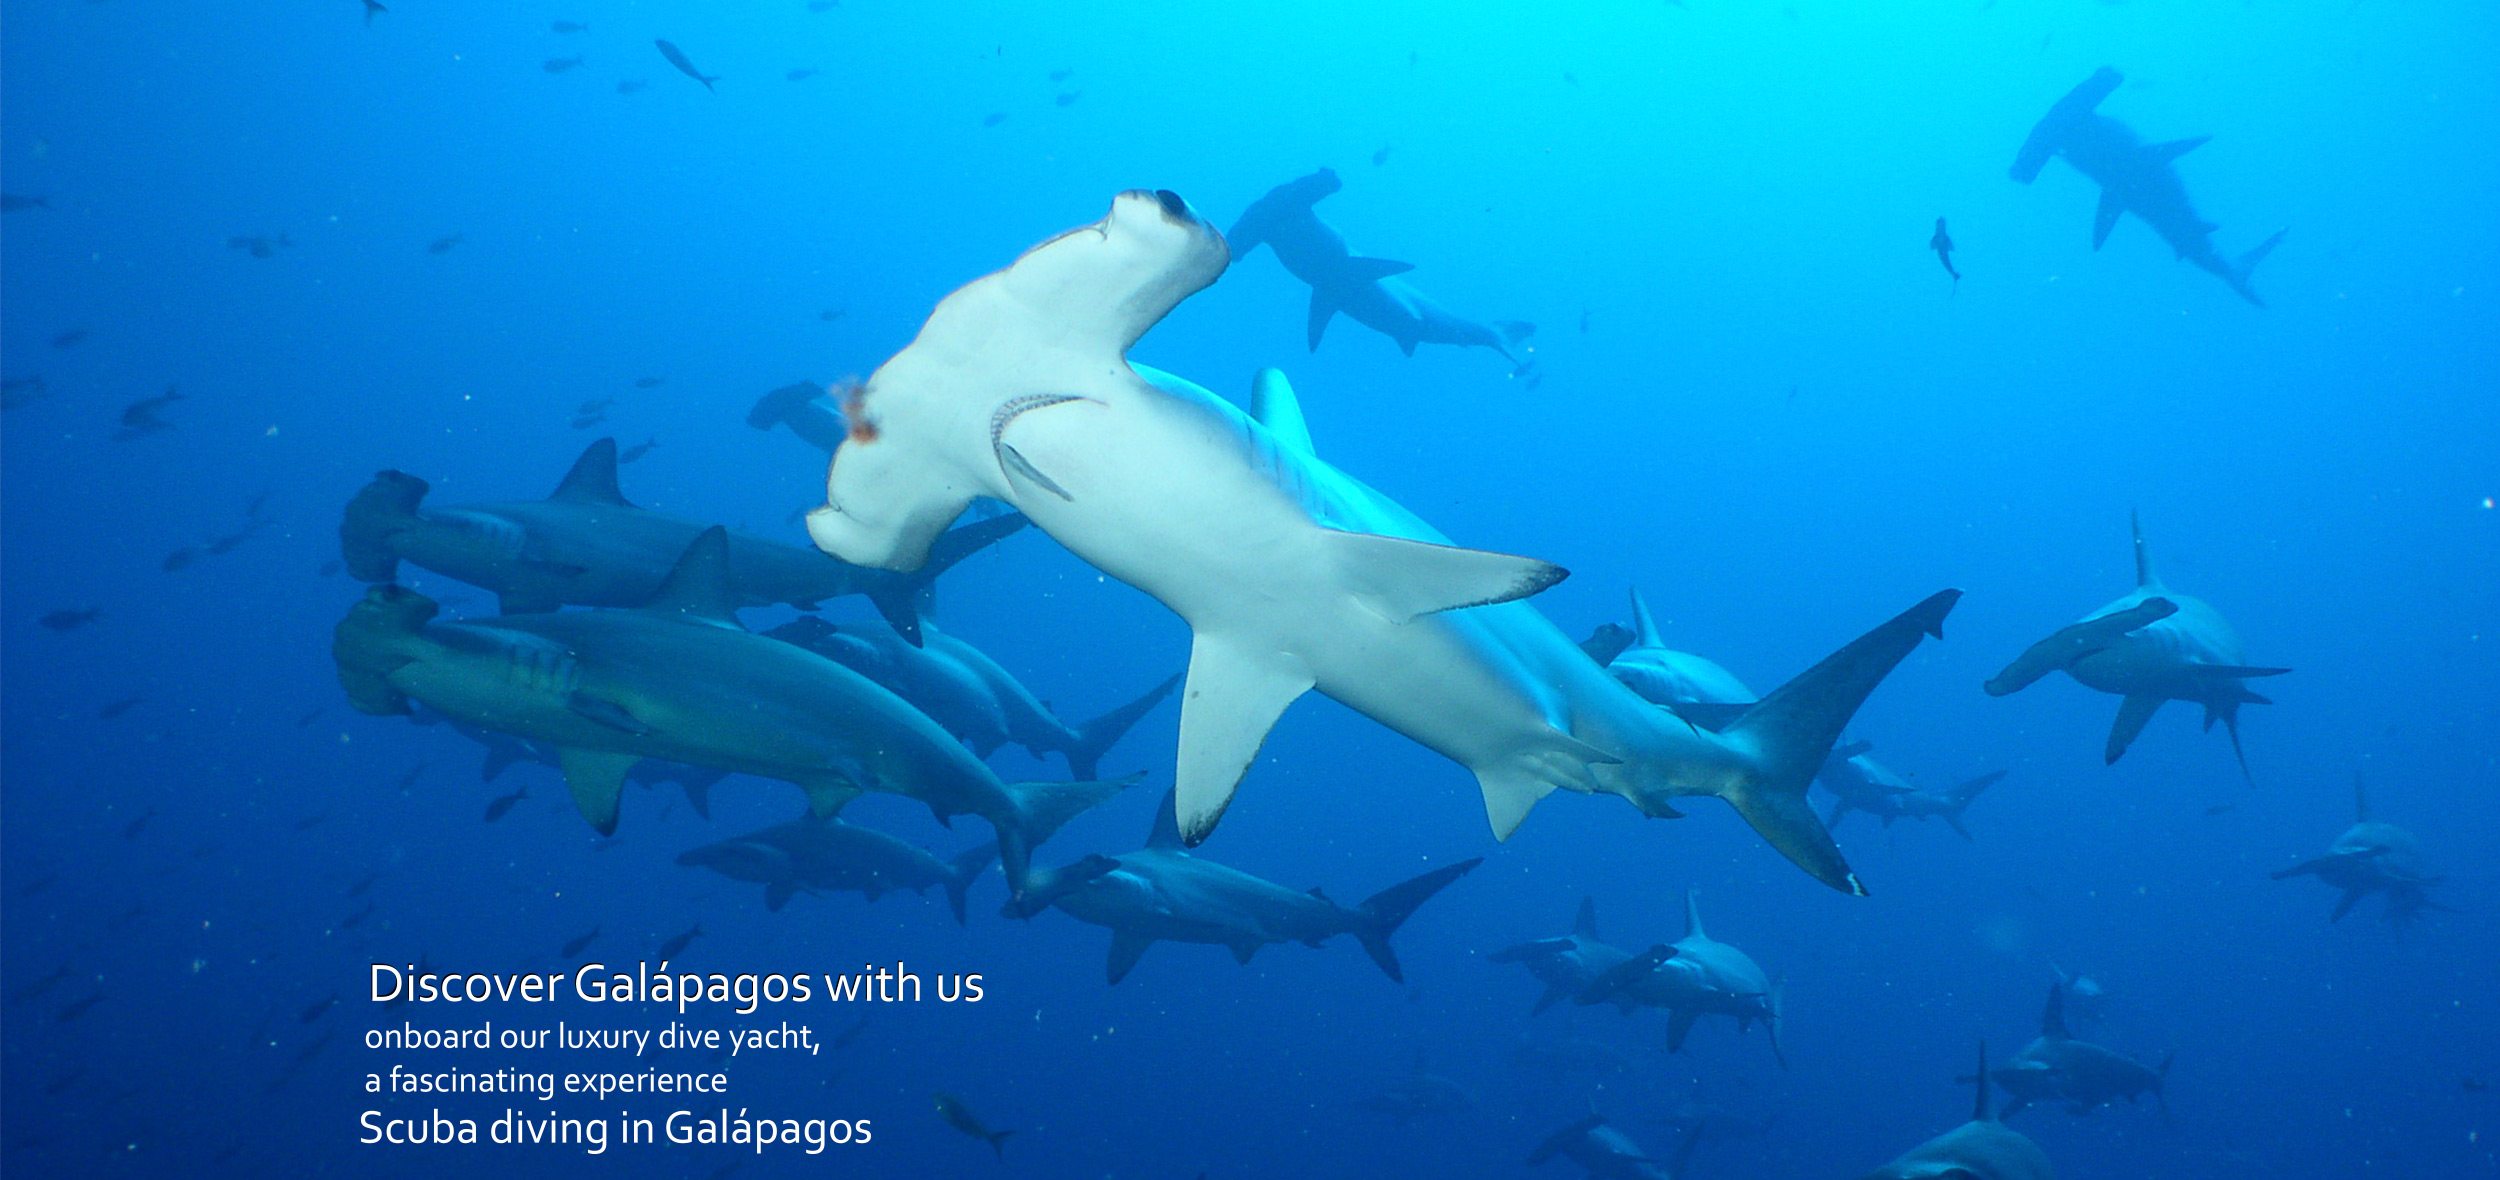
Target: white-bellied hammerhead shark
679	679
2151	646
1361	288
1981	1149
2373	856
1164	893
811	855
1698	975
586	545
1859	783
962	688
2056	1067
1675	679
1609	1154
2135	177
1291	574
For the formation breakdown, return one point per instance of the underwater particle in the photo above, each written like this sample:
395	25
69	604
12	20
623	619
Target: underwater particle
13	203
568	27
630	85
801	74
444	245
1069	99
994	119
69	338
66	619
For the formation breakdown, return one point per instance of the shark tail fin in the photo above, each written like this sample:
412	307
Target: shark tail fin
2246	264
1794	728
899	599
501	753
384	507
1775	1007
997	1139
965	869
1041	809
1560	1141
1383	912
1095	738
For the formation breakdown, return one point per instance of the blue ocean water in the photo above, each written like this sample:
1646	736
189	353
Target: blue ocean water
424	239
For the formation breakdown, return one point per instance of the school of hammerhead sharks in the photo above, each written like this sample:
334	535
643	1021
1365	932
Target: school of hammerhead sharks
1292	576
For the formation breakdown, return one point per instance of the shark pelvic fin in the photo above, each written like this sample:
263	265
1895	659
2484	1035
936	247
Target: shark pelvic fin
1323	309
2133	712
1512	787
1400	580
1235	692
597	779
593	478
1273	403
1126	949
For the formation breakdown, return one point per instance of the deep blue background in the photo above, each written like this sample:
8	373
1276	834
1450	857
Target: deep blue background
1780	421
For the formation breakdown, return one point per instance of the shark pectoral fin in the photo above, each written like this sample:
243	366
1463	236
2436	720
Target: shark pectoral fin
1372	270
1323	309
2166	152
777	894
1400	580
2105	217
1019	467
1406	344
597	778
2132	714
2344	904
606	712
1680	1026
1235	692
1555	993
1126	948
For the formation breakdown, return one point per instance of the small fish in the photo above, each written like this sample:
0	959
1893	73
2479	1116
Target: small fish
586	421
677	58
408	781
638	450
317	1010
1380	157
364	884
77	1008
630	85
18	391
1942	244
179	559
994	118
139	418
69	338
308	718
60	1085
112	709
2474	1085
578	945
2220	808
831	314
1069	99
137	910
1584	321
801	74
66	619
356	919
841	1040
568	26
444	245
669	949
259	245
649	382
562	65
13	203
823	5
594	405
312	821
496	807
1062	75
960	1117
373	8
131	830
38	885
36	989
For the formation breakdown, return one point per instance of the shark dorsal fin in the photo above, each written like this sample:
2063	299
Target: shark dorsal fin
698	587
2145	578
593	478
1692	914
2053	1017
1272	402
1644	625
2360	798
1586	924
1166	832
1979	1109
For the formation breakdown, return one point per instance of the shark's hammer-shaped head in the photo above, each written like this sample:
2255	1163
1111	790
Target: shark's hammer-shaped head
1055	325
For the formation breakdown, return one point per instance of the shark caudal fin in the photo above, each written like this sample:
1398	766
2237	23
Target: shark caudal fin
371	643
1041	809
2246	264
385	507
1382	913
1095	738
899	599
962	871
1792	730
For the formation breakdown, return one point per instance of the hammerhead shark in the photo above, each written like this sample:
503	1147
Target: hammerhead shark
2135	177
1981	1149
1859	783
1163	892
1291	574
679	679
1694	976
1362	288
1608	1154
587	545
811	855
2373	856
2056	1067
2150	646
